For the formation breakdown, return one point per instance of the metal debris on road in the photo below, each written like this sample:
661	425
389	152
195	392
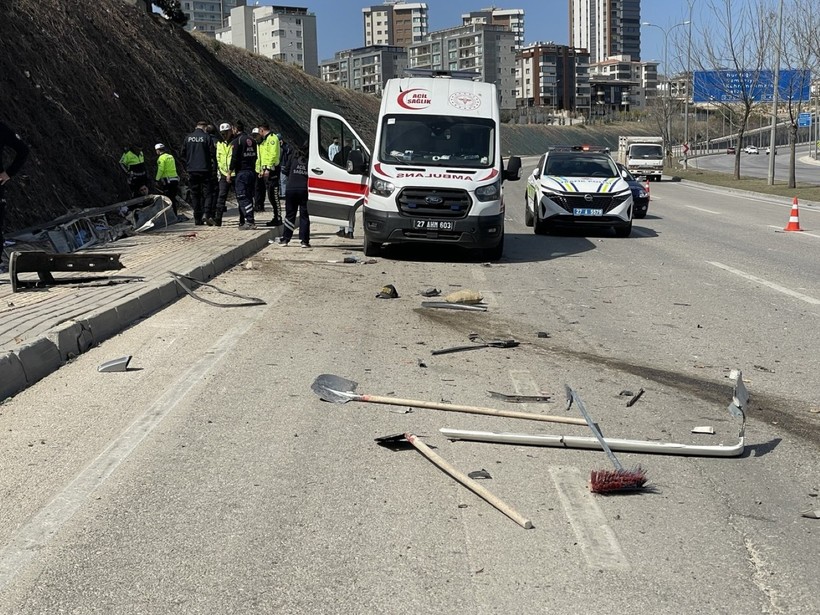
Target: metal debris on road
811	514
635	398
430	292
482	473
707	429
180	279
542	334
520	399
454	306
480	343
115	365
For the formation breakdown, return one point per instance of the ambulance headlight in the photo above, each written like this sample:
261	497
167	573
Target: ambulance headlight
381	187
491	192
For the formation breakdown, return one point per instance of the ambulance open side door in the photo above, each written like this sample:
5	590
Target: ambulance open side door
334	193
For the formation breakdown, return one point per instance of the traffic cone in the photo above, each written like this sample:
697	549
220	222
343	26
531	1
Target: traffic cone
794	218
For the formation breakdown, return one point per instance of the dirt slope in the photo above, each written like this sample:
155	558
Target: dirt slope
81	80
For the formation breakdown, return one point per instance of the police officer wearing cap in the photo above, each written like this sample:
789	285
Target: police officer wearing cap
199	159
133	163
167	178
223	166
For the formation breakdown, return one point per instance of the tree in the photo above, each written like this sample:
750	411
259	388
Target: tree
172	10
735	40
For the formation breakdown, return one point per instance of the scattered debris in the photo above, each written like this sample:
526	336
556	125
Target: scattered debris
811	514
683	304
346	260
480	343
707	429
635	398
115	365
482	473
453	306
626	393
520	399
542	334
340	391
739	400
464	479
251	265
465	296
608	481
430	292
44	264
388	292
761	368
180	279
421	363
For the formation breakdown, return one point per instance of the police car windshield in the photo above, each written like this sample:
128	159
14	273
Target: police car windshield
577	164
438	140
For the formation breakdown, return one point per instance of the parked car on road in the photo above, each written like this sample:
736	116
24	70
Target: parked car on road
751	149
640	192
578	186
730	150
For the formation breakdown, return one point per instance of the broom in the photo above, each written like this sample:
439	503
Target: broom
608	481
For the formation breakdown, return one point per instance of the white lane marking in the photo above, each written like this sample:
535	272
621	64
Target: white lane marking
708	211
31	538
598	541
804	233
766	283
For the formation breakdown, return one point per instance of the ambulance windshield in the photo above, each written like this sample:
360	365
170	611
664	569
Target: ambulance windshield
438	140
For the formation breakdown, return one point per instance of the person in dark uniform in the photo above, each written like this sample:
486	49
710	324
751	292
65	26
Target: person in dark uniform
199	159
243	167
296	197
9	139
210	201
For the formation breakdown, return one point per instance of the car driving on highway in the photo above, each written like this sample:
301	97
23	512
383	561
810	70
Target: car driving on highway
640	192
751	149
578	186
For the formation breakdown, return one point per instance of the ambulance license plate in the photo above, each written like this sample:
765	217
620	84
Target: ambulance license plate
579	211
433	225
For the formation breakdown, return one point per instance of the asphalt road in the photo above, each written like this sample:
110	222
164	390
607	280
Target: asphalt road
757	165
210	479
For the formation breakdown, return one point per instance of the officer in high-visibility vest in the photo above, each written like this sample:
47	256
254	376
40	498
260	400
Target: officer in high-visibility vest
167	178
133	163
269	158
223	166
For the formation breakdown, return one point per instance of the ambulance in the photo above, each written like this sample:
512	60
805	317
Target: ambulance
435	173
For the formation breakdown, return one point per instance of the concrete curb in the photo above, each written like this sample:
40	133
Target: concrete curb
22	367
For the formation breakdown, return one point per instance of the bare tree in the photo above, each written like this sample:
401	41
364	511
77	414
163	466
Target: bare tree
798	54
735	38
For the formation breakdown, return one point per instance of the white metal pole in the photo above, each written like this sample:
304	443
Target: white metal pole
688	86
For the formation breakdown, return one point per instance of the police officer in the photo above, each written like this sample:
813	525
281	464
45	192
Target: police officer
199	157
223	166
167	178
10	139
133	163
210	201
270	158
243	168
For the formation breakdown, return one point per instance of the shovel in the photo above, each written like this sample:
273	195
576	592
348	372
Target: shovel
340	391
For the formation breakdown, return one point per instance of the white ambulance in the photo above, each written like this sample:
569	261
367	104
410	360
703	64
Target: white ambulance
435	174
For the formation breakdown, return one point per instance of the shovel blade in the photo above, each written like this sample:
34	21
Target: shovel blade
334	388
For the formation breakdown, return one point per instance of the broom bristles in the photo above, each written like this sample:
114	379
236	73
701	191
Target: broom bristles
613	481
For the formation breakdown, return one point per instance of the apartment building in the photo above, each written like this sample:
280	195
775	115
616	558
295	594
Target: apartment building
554	76
622	84
511	18
285	33
487	50
606	28
365	69
396	23
207	16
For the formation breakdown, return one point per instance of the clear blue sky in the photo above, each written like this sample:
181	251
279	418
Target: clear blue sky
339	22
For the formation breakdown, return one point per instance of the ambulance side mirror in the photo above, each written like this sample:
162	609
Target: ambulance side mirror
513	170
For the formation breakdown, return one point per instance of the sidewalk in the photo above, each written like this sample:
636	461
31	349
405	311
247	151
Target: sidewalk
41	329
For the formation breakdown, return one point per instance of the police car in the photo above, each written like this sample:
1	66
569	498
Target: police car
578	186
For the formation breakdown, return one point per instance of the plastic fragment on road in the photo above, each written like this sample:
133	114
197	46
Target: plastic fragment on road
115	365
707	429
811	514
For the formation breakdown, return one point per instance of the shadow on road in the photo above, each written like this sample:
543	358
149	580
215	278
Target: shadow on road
758	450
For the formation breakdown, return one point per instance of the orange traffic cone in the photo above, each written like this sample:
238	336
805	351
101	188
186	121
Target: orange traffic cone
794	218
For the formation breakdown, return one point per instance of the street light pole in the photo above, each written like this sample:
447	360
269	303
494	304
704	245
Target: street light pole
776	88
666	73
689	81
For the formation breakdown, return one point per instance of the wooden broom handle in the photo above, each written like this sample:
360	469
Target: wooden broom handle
433	405
469	482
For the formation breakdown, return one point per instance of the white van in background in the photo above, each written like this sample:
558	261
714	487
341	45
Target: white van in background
435	174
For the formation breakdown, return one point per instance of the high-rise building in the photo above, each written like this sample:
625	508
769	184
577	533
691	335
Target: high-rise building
511	18
606	28
365	69
487	50
554	76
208	15
395	22
285	33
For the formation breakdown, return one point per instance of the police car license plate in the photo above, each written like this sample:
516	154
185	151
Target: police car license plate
433	225
583	211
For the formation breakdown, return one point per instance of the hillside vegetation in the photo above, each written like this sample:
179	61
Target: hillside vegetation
83	80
